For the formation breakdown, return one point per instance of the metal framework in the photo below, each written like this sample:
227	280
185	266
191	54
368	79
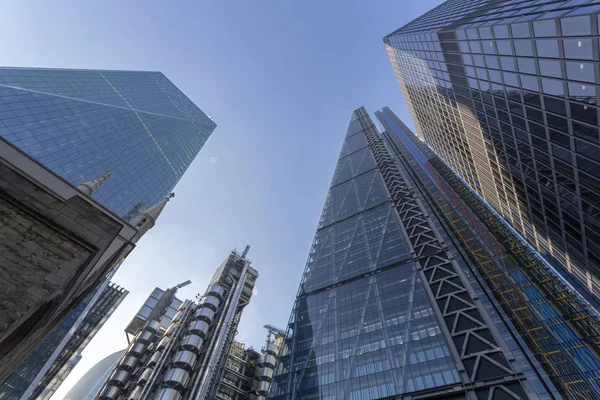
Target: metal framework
484	367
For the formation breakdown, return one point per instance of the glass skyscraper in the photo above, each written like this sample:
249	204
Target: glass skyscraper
83	124
506	93
415	287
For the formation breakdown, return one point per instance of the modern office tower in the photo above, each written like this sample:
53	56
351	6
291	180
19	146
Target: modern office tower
48	365
185	360
239	373
87	387
122	137
415	289
505	92
83	124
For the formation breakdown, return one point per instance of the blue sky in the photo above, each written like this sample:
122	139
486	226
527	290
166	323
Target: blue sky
280	79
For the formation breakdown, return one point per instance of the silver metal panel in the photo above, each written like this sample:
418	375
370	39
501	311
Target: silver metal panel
167	394
199	328
145	376
179	316
129	363
205	314
171	329
217	290
119	378
262	387
136	394
264	373
211	302
271	348
192	343
154	359
152	326
268	360
177	378
145	337
110	393
137	350
185	359
164	342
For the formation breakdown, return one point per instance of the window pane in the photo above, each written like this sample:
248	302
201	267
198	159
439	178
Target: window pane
523	48
547	48
504	47
553	87
526	65
530	83
510	79
576	26
578	49
508	63
582	92
544	28
520	30
550	68
580	71
492	62
501	31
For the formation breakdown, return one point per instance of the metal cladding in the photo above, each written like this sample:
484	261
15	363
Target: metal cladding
119	378
192	343
264	373
269	360
177	378
145	376
211	302
137	350
164	342
199	328
152	326
217	290
129	363
262	387
205	314
271	348
167	394
154	360
145	337
110	393
185	359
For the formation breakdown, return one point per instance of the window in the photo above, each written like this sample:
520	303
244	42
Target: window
584	113
580	71
582	92
529	83
501	31
523	48
578	49
526	65
553	87
504	47
508	63
550	68
521	30
586	132
576	26
492	62
545	28
547	48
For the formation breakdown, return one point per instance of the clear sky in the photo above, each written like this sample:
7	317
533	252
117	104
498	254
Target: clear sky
280	78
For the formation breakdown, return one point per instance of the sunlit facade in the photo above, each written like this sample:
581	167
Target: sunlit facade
83	124
505	93
414	287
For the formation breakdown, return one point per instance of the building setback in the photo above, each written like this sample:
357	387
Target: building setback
506	94
184	356
415	288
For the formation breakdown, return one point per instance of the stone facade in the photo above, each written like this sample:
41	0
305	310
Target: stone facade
55	247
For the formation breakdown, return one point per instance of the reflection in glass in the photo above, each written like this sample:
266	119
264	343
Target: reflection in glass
578	49
547	48
580	71
576	26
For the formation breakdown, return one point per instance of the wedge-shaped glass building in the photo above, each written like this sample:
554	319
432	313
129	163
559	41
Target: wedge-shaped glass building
415	287
506	92
84	124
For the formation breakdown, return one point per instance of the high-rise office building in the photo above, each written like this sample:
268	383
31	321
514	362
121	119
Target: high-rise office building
184	355
89	384
47	366
506	93
414	287
83	124
122	137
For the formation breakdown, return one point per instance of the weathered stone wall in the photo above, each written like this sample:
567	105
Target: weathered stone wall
48	247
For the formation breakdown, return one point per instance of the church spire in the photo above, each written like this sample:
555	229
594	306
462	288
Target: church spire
91	186
146	219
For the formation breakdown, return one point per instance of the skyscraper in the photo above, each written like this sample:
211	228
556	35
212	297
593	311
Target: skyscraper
48	365
83	124
414	286
505	92
183	355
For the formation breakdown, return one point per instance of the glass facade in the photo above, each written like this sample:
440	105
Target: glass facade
83	124
506	93
20	381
